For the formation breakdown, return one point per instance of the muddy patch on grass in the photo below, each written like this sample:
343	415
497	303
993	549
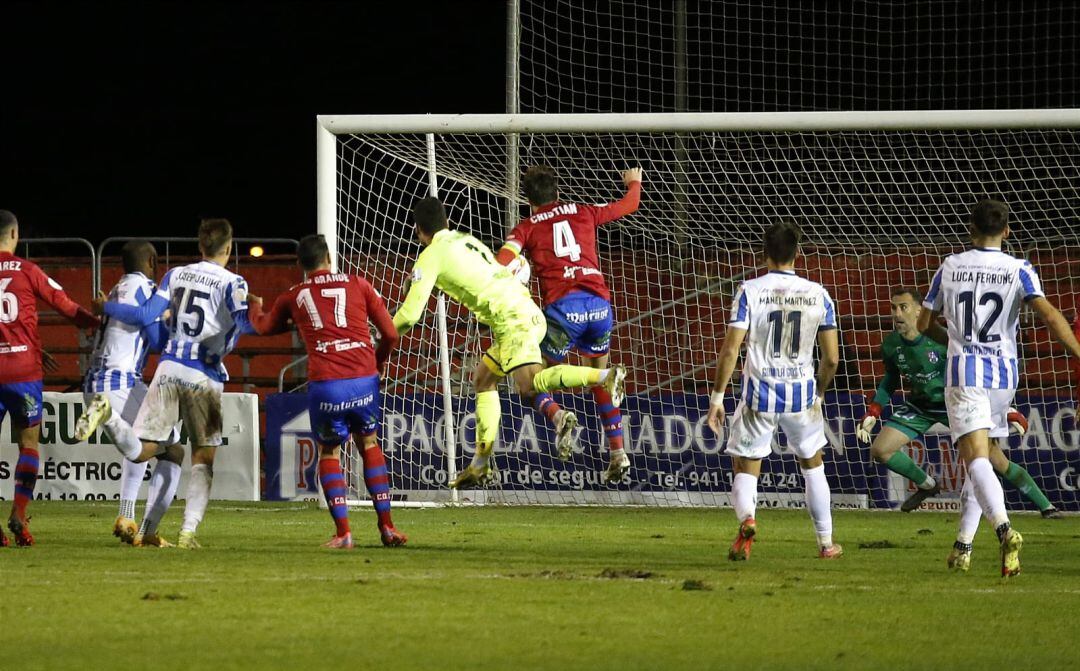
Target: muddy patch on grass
625	574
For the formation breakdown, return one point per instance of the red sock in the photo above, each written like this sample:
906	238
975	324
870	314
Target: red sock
610	417
26	473
377	480
546	405
333	484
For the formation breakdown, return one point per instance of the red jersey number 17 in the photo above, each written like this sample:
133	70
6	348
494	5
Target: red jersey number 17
304	300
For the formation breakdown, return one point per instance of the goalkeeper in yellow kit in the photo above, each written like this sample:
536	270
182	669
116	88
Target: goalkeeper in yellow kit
466	270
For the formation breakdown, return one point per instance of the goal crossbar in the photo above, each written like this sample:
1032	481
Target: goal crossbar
1017	119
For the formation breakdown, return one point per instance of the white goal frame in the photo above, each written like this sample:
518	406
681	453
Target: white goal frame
328	127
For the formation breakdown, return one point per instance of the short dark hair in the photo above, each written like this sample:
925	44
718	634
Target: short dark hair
214	236
430	215
135	253
7	220
312	251
540	184
782	241
900	290
990	217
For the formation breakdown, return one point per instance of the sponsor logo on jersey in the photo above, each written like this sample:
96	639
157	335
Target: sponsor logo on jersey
13	349
339	345
571	272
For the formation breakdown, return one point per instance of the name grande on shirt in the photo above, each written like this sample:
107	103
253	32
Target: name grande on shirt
327	279
10	265
981	276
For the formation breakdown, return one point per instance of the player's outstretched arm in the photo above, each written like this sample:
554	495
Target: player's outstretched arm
142	315
269	323
628	204
425	273
49	291
1057	324
829	346
725	367
384	323
882	397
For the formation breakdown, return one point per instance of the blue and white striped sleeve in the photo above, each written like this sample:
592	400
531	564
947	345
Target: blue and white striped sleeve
740	310
829	322
1030	284
933	300
163	289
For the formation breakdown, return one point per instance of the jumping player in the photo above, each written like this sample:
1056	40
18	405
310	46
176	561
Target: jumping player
332	310
22	283
784	315
980	293
920	362
465	269
116	367
209	313
560	241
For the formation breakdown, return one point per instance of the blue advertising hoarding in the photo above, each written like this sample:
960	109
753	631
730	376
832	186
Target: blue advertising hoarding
674	454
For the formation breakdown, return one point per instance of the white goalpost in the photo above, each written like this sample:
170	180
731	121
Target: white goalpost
881	197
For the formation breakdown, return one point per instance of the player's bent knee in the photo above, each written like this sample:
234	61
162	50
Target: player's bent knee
882	451
812	462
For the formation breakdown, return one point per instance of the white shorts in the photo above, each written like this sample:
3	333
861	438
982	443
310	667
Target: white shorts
125	402
974	408
179	393
752	432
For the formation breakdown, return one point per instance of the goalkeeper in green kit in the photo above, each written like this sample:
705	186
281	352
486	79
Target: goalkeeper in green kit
920	362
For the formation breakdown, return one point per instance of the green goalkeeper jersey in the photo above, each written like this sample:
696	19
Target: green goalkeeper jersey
920	363
466	270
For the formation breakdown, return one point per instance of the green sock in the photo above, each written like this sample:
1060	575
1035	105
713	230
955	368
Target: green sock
901	463
566	377
488	413
1022	480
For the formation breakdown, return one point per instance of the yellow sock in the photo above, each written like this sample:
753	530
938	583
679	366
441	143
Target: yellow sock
566	377
488	413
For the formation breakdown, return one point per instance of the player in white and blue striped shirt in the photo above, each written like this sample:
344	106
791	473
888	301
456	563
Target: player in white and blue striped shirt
116	366
781	316
980	293
209	313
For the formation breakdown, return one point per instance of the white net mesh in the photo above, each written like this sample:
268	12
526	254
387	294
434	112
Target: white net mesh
878	209
752	56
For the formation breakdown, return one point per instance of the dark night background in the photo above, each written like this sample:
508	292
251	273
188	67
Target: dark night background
125	118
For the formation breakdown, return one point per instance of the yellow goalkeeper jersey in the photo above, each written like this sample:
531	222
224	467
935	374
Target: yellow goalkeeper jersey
466	270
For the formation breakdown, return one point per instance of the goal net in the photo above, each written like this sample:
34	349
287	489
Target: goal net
878	208
754	56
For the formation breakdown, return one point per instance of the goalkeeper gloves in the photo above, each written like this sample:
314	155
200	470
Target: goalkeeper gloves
873	412
1018	424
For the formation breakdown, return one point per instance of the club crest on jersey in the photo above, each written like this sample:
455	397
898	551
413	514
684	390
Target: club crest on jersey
934	357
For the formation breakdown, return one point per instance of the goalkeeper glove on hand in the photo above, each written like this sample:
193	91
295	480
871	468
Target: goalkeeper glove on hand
1018	424
873	412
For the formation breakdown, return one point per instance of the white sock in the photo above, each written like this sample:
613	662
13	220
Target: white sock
970	513
988	490
131	477
819	503
163	484
744	496
123	436
198	496
928	483
603	376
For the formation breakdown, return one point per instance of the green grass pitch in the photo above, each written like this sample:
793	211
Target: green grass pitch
556	588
